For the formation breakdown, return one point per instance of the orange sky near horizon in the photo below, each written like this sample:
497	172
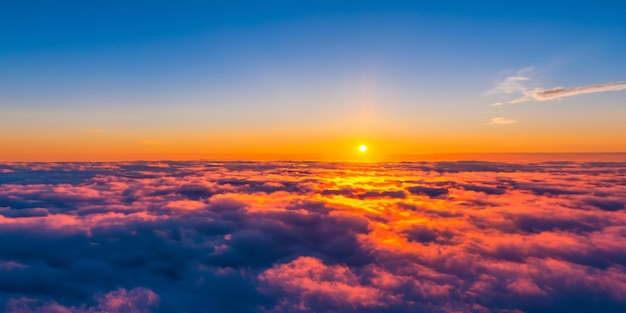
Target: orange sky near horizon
94	145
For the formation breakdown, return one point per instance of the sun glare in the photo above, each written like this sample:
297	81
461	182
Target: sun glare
362	148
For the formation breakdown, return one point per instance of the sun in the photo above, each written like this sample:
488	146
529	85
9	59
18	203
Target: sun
362	148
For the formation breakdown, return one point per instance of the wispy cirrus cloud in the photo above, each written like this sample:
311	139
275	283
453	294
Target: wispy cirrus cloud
511	84
539	94
520	83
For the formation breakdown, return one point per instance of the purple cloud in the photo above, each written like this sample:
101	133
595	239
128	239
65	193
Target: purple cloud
465	236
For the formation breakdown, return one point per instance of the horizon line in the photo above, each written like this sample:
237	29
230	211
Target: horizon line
308	157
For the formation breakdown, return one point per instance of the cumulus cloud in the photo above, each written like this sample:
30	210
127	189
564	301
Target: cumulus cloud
318	287
137	300
501	121
465	236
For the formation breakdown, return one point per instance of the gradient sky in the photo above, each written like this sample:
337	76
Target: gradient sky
176	79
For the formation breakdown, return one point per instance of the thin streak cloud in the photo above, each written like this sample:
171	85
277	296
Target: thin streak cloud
511	84
539	94
501	121
514	84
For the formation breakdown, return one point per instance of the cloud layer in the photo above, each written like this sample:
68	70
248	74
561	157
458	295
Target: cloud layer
313	237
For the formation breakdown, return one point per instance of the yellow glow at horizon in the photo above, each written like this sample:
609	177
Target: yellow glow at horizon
362	148
92	144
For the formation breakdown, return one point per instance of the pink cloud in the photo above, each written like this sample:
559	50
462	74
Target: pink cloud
310	281
137	300
431	237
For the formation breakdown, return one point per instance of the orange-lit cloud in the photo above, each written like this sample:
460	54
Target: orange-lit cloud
192	236
501	121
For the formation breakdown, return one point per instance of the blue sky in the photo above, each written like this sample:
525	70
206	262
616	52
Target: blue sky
356	68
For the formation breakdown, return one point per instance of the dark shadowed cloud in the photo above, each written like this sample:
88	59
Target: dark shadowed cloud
312	237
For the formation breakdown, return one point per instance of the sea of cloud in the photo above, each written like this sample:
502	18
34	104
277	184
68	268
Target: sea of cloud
313	237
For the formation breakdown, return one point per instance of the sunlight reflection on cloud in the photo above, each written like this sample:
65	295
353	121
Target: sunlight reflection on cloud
313	237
